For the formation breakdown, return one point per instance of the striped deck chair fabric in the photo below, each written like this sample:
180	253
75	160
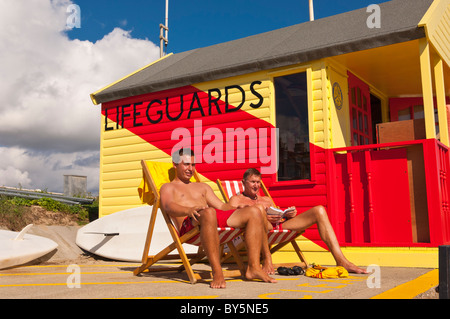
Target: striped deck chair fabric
276	238
226	234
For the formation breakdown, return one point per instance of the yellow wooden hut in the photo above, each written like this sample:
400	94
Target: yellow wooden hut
360	105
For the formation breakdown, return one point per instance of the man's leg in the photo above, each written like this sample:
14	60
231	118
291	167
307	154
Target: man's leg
210	242
265	251
318	215
251	219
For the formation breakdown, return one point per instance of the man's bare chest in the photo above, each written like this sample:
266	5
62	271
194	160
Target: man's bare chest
189	194
244	200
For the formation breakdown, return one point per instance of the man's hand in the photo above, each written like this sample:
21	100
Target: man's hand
273	219
193	212
291	214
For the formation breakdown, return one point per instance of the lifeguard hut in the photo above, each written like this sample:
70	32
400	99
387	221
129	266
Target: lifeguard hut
339	112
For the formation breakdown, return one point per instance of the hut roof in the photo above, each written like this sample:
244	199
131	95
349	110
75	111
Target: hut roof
331	36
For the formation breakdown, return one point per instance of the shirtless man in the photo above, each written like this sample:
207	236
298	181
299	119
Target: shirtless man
316	215
190	204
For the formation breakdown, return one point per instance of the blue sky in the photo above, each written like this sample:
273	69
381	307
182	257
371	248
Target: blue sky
198	23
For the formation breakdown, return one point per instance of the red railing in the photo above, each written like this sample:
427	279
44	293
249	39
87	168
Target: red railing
392	194
443	165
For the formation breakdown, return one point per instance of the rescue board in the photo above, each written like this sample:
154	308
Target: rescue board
18	248
121	235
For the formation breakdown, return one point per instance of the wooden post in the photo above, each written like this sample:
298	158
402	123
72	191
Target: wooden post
440	96
427	88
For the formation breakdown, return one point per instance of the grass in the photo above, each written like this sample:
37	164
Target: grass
14	210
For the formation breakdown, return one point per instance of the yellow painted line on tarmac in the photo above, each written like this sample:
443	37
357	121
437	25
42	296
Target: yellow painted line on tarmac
95	283
322	286
309	291
290	279
66	273
347	281
88	266
81	265
66	266
270	294
412	288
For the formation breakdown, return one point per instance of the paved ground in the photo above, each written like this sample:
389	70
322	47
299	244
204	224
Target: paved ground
85	277
100	279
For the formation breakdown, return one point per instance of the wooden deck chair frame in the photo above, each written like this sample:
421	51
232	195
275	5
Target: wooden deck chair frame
275	243
148	261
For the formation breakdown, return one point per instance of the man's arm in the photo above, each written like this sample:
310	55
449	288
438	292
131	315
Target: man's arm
215	202
235	201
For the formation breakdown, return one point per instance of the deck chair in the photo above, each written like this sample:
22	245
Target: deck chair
277	239
155	174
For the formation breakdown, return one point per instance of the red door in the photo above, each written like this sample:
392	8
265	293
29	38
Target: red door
360	113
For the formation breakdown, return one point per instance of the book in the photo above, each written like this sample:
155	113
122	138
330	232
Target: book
279	212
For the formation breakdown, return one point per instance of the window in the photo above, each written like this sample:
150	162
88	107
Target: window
291	100
410	108
360	111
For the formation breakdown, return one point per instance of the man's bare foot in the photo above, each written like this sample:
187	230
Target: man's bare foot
267	267
352	268
218	281
258	273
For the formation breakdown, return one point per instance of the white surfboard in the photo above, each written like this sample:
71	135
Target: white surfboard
18	248
121	236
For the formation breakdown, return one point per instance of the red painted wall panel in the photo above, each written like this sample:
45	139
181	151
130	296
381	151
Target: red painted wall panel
155	117
373	197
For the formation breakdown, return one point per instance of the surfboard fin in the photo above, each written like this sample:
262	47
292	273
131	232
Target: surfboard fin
23	232
105	234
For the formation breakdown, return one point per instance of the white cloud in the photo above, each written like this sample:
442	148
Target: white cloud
13	176
46	114
45	170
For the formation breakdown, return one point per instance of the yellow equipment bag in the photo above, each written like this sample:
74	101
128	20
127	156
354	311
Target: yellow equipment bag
317	271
